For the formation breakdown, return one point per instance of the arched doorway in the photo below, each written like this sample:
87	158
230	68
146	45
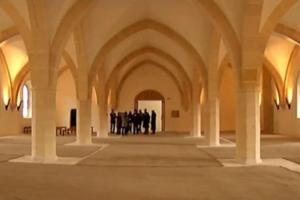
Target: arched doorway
152	100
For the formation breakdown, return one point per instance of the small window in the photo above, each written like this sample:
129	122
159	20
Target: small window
26	102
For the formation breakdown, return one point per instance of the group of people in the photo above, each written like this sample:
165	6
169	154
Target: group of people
132	122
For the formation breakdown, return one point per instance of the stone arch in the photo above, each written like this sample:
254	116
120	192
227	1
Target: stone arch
21	78
159	53
268	65
5	69
24	75
8	33
277	79
282	8
291	70
137	27
223	25
18	20
81	7
70	20
288	32
138	65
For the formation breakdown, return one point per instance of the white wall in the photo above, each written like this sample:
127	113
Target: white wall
150	77
157	107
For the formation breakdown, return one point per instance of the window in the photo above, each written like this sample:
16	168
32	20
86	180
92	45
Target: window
26	102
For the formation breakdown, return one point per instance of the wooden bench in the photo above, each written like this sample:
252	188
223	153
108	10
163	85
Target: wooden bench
27	129
61	130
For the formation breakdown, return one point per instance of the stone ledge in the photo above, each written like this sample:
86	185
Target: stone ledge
83	145
276	162
57	161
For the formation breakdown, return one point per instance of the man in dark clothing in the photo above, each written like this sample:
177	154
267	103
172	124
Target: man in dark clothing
113	118
146	121
130	121
140	120
135	121
153	122
119	123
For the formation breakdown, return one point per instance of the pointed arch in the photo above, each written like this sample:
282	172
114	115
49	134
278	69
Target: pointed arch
140	64
157	52
140	26
288	32
223	25
268	65
70	20
8	33
282	8
18	20
20	79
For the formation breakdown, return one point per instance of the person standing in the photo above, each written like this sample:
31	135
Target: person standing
113	118
135	121
153	122
146	121
119	123
140	121
130	122
125	124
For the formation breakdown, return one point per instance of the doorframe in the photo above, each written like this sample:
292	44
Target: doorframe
152	95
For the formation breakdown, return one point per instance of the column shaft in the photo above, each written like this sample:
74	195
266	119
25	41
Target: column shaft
213	121
83	131
103	116
248	126
43	124
196	112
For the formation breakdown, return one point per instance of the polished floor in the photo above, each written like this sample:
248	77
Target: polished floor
171	167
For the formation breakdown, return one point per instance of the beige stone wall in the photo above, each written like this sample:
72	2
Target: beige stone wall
150	77
286	121
10	122
227	102
65	98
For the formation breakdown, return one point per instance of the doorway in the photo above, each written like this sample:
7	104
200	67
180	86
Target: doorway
153	105
152	100
73	118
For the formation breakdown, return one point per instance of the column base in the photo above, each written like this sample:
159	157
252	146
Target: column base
213	143
194	136
82	144
40	160
240	162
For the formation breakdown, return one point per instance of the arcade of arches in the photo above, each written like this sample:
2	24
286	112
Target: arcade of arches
225	71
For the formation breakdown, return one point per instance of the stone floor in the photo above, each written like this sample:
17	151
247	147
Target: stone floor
155	167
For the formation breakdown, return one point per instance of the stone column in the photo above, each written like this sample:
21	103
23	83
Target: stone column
248	125
43	124
212	134
83	132
213	121
103	116
196	117
196	107
212	125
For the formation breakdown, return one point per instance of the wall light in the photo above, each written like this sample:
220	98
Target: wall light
20	104
289	97
6	104
277	103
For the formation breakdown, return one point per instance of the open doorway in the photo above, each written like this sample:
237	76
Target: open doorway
155	105
152	100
